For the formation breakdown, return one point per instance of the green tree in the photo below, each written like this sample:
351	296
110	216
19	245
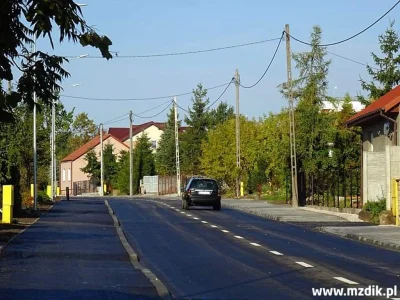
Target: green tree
198	122
221	114
92	167
22	22
83	130
110	165
123	175
143	161
386	75
165	156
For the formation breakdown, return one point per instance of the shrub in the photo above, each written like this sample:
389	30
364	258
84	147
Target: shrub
42	197
375	208
27	200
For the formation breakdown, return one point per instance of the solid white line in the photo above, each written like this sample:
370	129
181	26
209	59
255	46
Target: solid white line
196	218
276	252
214	226
345	280
204	222
238	237
306	265
255	244
226	231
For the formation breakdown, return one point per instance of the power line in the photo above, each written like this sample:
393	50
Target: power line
351	37
140	99
220	95
185	110
149	117
352	60
111	121
116	121
162	104
184	53
270	63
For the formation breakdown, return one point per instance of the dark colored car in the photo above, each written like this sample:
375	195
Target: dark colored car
201	192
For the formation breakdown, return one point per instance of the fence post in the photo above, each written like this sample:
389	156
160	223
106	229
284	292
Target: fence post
67	192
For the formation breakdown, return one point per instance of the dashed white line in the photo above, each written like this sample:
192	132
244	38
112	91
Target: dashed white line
226	231
276	252
204	222
345	280
238	237
215	226
188	215
255	244
306	265
195	218
182	212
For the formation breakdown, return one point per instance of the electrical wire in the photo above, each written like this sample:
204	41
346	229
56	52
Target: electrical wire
184	53
351	37
162	104
140	99
221	94
270	63
185	110
149	117
115	119
352	60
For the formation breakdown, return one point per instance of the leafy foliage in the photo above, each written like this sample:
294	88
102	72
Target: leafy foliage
143	161
92	167
21	23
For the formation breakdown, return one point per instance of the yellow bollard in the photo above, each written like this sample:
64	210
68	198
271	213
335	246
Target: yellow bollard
58	191
48	192
105	188
396	203
241	189
8	203
32	190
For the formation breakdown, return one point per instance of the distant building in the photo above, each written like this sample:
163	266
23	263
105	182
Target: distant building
337	106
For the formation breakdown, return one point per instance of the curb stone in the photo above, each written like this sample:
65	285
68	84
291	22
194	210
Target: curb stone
162	290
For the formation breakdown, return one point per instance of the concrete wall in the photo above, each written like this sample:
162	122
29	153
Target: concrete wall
374	176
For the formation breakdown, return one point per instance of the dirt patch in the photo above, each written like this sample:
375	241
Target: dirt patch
21	221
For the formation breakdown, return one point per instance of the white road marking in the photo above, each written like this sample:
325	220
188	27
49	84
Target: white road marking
306	265
226	231
345	280
276	252
182	212
214	226
196	218
204	222
238	237
188	215
255	244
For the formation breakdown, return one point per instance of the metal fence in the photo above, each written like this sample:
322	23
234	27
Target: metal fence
334	188
160	185
83	187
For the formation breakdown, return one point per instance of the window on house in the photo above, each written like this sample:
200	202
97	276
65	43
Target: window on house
69	174
63	175
154	144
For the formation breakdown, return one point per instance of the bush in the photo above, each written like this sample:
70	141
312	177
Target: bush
42	197
27	200
375	208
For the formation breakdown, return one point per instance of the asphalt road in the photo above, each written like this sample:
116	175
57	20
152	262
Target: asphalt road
205	254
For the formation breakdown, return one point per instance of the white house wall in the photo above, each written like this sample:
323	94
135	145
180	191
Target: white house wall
152	132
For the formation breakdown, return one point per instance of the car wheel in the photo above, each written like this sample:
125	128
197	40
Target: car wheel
217	206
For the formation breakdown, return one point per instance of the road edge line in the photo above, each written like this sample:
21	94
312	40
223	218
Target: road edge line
161	289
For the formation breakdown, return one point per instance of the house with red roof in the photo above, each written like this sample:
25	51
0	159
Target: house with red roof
71	175
154	130
380	145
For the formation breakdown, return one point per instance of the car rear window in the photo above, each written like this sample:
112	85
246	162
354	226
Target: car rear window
203	185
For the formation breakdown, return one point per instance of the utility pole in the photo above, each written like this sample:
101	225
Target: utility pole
130	155
34	140
54	188
237	82
52	151
293	157
101	161
178	167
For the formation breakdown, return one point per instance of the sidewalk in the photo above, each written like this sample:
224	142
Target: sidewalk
73	252
344	225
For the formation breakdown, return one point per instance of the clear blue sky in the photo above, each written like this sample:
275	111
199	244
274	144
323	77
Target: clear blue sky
148	27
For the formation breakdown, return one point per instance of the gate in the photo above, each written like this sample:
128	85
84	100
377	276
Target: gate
150	184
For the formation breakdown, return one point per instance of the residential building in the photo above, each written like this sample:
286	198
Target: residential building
380	145
71	175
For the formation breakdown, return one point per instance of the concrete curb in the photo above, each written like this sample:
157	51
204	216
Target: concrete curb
162	290
250	211
10	240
